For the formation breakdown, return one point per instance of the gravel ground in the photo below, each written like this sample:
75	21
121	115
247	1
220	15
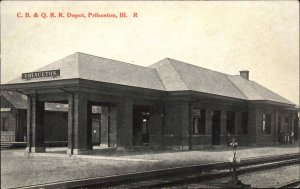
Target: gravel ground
262	179
22	171
272	178
18	170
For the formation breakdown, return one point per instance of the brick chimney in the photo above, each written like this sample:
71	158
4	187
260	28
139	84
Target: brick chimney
244	74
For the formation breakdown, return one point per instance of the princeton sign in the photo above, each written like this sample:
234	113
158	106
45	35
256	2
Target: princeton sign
50	73
5	109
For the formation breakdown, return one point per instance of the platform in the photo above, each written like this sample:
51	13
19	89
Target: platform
19	170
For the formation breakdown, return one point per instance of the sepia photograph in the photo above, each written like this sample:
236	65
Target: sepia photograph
150	94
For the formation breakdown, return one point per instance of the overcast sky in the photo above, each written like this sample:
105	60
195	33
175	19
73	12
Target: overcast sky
260	36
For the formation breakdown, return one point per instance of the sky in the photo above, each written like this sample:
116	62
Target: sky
225	36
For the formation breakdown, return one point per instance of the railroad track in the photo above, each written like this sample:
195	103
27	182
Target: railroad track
292	184
181	180
178	175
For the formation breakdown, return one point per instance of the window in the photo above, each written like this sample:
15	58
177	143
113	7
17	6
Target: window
266	124
230	122
287	120
244	129
4	124
198	122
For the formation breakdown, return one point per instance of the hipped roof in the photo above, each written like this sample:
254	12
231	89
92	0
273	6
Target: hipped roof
165	75
83	66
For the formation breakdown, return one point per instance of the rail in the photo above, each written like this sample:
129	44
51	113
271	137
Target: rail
292	184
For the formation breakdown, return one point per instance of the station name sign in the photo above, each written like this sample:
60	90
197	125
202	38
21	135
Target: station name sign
49	73
5	109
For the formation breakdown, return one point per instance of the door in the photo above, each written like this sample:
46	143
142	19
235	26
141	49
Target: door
145	129
140	130
216	127
96	130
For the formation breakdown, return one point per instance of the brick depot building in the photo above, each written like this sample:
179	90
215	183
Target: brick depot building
170	104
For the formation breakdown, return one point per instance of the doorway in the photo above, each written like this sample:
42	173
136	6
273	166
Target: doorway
296	129
216	127
96	129
100	127
140	122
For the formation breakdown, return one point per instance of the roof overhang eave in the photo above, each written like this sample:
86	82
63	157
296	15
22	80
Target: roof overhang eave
274	103
197	94
39	84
